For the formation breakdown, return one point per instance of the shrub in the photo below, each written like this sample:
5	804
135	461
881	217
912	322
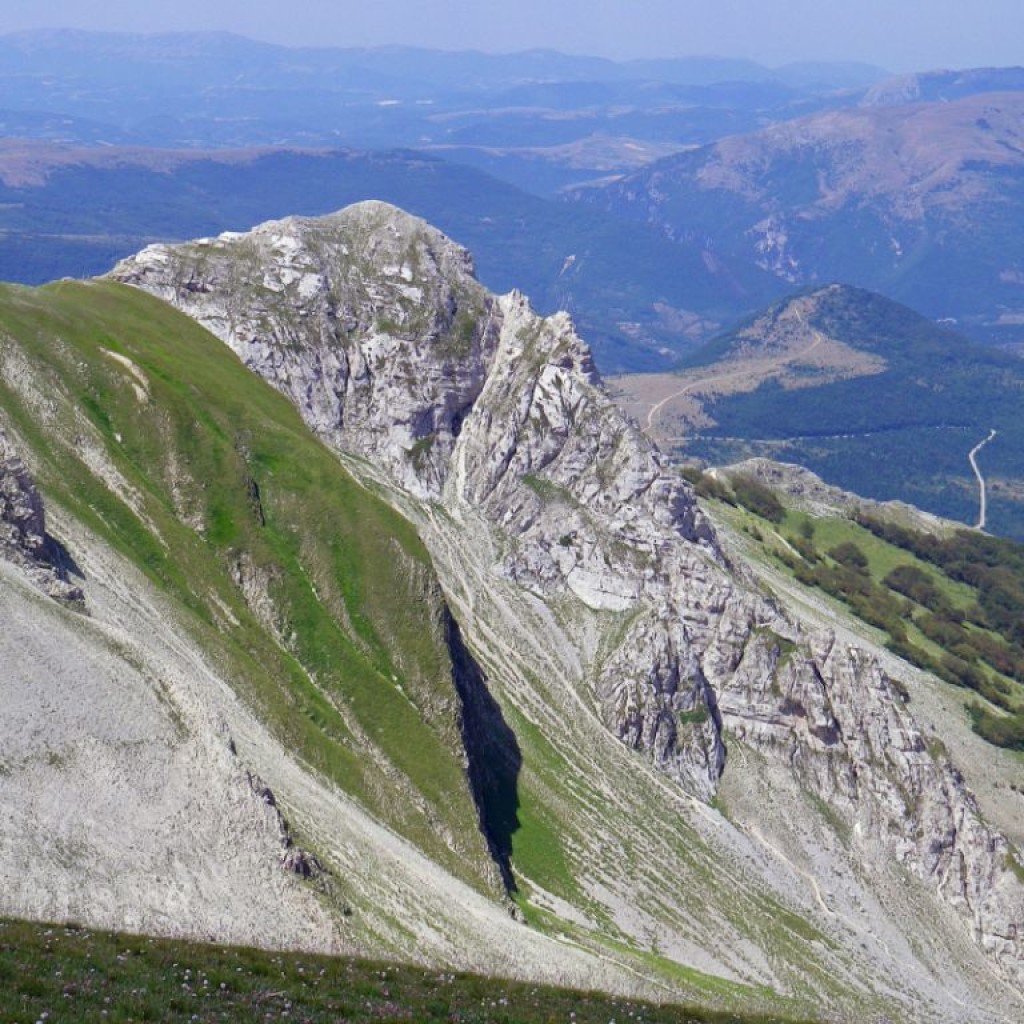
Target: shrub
706	485
757	498
805	548
850	555
1003	731
916	584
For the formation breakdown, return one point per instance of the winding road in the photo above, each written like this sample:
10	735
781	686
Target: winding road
655	409
973	457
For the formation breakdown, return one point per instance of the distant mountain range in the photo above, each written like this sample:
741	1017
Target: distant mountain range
642	299
872	396
214	90
943	86
713	187
38	63
923	202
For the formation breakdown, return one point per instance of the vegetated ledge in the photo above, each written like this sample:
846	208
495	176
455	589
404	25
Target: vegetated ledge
975	642
71	974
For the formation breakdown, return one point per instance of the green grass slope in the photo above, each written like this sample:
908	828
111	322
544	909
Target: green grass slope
320	604
311	595
71	974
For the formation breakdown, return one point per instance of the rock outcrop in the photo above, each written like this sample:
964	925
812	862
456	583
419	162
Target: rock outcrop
371	322
807	491
23	537
373	325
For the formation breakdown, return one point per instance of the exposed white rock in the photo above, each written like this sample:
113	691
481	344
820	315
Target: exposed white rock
376	365
121	802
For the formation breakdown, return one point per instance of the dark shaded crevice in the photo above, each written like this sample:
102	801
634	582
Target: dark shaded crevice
459	416
722	752
255	500
61	559
492	752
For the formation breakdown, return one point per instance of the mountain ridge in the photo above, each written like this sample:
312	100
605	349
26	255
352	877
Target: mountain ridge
501	468
865	391
914	201
712	792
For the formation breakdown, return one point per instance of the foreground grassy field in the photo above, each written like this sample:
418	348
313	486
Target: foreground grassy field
70	974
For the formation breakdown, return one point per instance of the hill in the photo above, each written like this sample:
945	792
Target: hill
942	86
920	202
869	394
167	980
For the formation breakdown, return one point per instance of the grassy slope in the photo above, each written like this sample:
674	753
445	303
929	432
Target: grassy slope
73	975
773	545
356	601
361	662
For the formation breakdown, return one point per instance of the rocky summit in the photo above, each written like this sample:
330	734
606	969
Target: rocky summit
680	780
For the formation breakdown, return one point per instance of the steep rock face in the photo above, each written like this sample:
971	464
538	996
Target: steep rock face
361	319
253	609
547	457
370	321
852	740
23	536
585	513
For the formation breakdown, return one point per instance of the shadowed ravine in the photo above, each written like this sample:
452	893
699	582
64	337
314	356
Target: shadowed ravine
494	758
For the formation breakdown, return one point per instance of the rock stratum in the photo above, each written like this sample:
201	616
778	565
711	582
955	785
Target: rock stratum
622	730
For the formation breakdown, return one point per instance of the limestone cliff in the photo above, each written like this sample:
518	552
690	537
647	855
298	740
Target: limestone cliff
374	326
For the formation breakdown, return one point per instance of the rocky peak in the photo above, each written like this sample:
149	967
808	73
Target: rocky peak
369	319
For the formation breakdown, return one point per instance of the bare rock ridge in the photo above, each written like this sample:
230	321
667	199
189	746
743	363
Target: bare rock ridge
475	410
23	537
374	326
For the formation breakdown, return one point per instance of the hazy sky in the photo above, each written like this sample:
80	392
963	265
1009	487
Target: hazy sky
898	34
